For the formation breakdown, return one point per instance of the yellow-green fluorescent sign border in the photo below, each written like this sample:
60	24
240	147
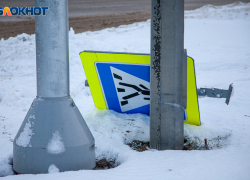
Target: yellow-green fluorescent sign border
90	58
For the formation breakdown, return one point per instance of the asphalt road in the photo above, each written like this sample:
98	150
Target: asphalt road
91	15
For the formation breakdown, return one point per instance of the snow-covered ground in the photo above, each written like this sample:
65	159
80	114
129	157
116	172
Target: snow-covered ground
217	37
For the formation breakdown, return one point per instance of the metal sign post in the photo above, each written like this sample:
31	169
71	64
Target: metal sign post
168	74
53	131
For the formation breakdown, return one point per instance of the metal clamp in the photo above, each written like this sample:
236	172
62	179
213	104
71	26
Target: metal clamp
216	93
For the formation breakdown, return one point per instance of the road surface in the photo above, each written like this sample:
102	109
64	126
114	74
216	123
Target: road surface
91	15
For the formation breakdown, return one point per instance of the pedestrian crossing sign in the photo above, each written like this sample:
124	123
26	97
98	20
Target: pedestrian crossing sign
125	86
119	81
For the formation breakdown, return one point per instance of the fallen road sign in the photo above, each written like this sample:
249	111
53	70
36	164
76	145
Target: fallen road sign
121	82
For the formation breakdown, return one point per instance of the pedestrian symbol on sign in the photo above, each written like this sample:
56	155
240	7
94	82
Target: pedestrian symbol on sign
132	91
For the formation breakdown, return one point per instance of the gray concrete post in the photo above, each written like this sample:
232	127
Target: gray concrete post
167	81
53	131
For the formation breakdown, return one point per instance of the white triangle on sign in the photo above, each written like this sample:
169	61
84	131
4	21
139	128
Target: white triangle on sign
132	91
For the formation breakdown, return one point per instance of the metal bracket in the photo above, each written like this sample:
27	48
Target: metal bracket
216	93
208	92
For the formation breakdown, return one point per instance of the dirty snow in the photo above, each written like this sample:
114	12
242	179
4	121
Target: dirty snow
217	37
56	145
237	10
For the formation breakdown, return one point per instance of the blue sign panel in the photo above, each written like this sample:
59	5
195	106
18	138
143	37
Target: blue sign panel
126	87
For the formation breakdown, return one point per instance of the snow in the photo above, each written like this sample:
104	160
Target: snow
5	166
25	136
56	145
237	10
217	37
53	169
111	130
